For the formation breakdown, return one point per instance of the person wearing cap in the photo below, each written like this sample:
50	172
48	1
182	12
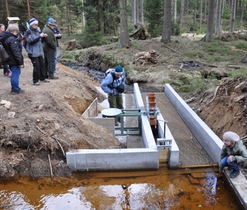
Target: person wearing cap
58	36
113	85
49	47
35	51
9	40
233	153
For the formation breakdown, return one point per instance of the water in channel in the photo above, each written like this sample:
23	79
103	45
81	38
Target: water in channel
134	190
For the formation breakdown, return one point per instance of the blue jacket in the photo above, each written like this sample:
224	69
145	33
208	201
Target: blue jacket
34	46
109	83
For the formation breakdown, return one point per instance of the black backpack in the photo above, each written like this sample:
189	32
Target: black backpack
4	55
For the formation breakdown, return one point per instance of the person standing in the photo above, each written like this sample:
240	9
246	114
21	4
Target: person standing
35	52
15	61
49	47
233	153
113	85
6	70
58	36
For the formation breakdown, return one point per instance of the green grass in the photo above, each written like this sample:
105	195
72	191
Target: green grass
242	73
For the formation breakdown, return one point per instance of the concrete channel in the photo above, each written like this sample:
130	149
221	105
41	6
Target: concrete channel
149	156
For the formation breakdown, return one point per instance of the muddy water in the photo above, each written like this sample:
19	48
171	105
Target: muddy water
151	190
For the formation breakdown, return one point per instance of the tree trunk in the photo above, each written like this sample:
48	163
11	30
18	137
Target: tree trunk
124	34
67	17
166	33
181	13
28	10
242	12
233	12
7	8
175	10
133	6
210	24
201	16
83	15
218	18
195	6
141	12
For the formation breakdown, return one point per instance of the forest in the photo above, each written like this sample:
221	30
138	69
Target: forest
93	20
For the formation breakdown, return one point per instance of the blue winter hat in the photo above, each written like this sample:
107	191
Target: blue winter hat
33	21
52	21
119	69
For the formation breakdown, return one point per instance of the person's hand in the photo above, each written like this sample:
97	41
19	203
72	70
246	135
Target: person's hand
230	158
43	35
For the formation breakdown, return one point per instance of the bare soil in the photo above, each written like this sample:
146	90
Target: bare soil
45	117
44	122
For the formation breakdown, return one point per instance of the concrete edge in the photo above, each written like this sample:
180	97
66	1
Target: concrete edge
173	161
112	159
119	159
207	138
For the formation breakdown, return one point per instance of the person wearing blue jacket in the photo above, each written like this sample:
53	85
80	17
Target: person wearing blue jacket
35	51
113	85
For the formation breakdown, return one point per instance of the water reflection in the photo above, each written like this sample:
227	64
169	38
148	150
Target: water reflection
133	190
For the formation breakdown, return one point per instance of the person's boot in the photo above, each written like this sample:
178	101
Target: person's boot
234	174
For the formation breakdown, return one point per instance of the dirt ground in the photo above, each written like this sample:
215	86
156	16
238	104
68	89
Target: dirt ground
43	123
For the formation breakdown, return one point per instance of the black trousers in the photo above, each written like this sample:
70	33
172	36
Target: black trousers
49	63
38	68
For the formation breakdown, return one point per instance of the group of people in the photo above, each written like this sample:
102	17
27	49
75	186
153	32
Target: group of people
41	47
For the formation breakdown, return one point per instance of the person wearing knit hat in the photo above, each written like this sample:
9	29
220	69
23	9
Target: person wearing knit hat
113	84
35	51
233	153
33	21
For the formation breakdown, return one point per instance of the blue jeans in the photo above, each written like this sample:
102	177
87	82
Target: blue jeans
55	61
231	165
14	80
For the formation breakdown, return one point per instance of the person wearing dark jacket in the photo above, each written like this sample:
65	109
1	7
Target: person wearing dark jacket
35	51
233	154
58	36
15	61
49	47
6	70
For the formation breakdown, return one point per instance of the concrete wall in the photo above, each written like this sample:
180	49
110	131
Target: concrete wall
119	159
112	159
207	138
173	160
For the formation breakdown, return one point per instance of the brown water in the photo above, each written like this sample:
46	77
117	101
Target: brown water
151	190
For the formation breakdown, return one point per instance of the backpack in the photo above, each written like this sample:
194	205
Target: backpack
4	55
120	88
24	40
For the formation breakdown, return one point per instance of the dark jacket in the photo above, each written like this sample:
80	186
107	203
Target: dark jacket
49	43
34	46
56	31
238	151
12	46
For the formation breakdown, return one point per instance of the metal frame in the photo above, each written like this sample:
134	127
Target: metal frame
125	131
